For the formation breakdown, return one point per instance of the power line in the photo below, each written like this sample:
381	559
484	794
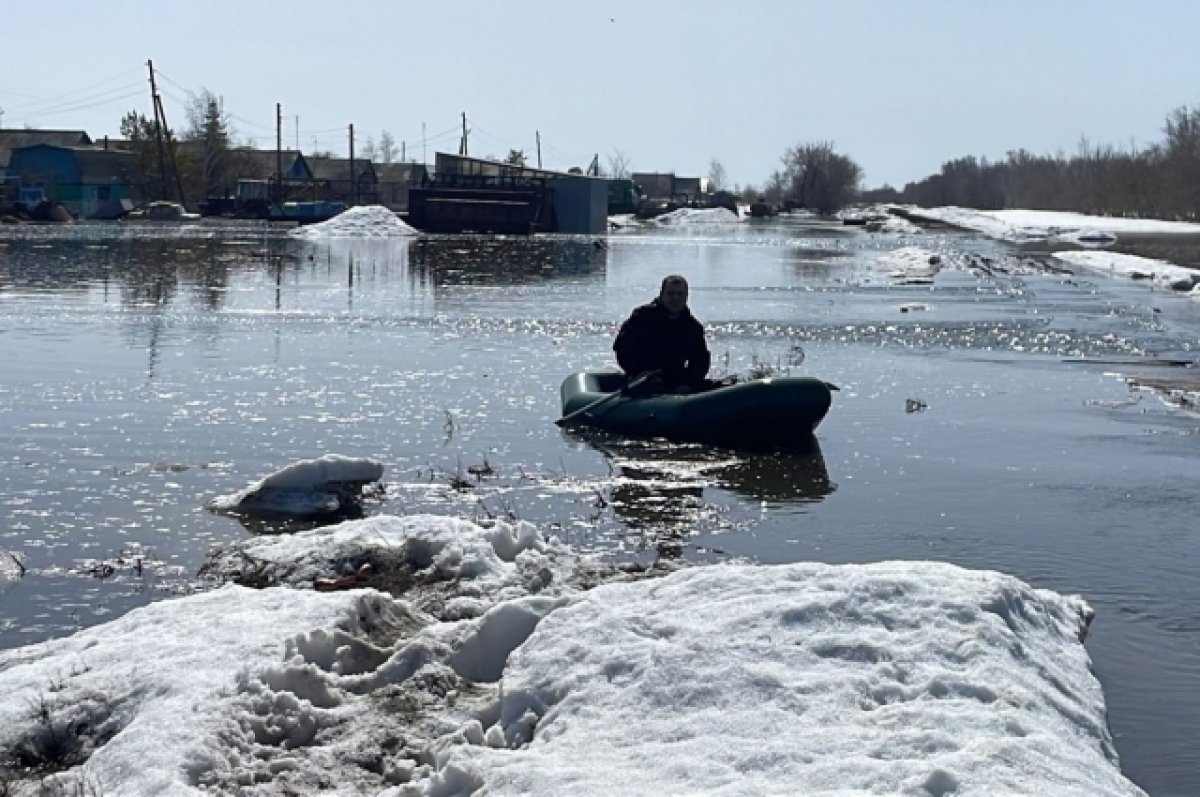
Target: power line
85	106
60	99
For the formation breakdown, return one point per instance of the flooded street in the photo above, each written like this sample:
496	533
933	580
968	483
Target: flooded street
980	419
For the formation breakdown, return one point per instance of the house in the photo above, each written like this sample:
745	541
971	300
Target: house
86	180
14	139
264	164
353	182
395	180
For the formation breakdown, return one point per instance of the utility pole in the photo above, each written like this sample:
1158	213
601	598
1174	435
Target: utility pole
162	161
170	150
403	158
424	155
462	147
538	135
1	118
353	176
279	152
297	132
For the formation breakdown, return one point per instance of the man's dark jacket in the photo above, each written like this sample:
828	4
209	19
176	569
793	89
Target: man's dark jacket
650	340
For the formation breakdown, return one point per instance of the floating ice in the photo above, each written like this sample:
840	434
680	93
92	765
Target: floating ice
911	265
329	486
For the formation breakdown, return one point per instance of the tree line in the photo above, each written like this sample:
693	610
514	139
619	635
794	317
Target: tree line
1161	180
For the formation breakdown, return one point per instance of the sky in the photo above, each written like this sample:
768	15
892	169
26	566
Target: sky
496	672
670	85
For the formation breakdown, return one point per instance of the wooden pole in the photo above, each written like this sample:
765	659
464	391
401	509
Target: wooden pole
353	176
171	151
279	152
158	125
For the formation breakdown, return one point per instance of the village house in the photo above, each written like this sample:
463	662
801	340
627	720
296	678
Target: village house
90	182
15	139
353	182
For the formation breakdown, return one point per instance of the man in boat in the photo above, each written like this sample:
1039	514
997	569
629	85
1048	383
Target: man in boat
664	336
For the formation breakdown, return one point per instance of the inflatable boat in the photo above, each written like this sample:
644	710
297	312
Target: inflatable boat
772	411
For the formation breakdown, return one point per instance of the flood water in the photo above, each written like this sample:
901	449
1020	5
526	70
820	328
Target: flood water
148	371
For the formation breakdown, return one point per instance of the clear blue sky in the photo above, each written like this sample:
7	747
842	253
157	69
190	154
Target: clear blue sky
898	86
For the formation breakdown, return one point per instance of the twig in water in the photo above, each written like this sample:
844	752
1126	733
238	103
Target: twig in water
20	564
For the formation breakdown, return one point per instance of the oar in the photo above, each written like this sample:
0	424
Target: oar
641	380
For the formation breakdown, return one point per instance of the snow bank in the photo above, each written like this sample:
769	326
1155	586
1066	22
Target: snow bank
894	678
369	221
1038	225
1161	273
696	216
917	677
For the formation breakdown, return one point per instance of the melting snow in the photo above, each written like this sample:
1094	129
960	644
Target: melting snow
330	485
372	221
496	669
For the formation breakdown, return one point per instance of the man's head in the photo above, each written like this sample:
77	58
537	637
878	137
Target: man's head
674	294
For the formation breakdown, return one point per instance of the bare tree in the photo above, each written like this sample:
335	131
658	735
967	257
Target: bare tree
368	151
209	124
818	178
387	148
716	175
618	165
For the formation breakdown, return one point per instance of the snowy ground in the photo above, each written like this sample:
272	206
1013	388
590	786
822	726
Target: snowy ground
1088	231
464	657
1031	225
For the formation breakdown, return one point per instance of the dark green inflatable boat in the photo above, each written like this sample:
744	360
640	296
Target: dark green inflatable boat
775	411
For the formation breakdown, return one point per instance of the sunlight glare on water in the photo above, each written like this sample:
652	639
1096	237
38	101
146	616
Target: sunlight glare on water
149	372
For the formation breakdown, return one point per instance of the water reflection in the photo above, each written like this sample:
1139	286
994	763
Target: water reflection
454	261
659	487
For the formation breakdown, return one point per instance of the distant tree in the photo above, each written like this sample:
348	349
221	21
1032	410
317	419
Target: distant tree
818	178
618	165
1181	160
207	165
716	175
387	148
516	157
368	151
140	133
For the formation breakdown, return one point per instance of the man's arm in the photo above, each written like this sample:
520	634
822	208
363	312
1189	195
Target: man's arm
630	345
698	359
